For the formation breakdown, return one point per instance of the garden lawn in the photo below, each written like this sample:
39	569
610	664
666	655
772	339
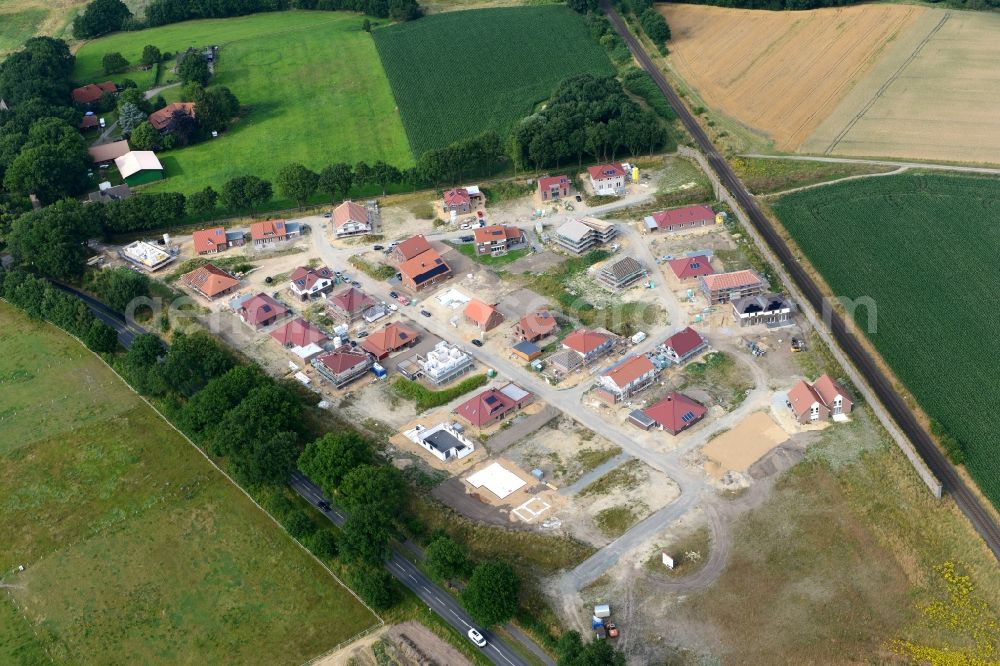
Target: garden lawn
312	82
457	74
923	248
136	550
469	250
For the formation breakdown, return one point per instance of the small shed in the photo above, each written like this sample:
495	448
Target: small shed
602	610
527	351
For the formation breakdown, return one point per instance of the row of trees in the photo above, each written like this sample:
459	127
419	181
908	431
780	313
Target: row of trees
162	12
101	17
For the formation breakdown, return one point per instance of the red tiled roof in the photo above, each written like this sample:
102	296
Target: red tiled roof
828	389
89	122
480	409
349	212
208	240
342	360
630	370
548	181
606	171
413	246
261	308
691	267
538	323
209	280
352	300
92	92
267	229
388	339
685	341
422	264
304	277
802	396
482	314
669	218
732	280
584	341
298	333
675	412
160	119
496	232
457	197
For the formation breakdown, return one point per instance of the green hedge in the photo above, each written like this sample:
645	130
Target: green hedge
428	399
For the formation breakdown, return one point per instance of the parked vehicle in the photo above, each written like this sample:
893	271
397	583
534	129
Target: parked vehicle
393	294
393	307
355	283
477	342
467	239
403	300
465	226
378	247
477	638
425	313
612	629
328	215
362	334
579	198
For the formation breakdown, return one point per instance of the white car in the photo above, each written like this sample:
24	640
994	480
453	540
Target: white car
477	638
465	226
393	307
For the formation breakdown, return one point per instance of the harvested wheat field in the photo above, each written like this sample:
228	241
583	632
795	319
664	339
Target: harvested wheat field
934	96
780	73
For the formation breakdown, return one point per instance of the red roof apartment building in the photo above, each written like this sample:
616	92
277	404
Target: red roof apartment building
424	270
725	287
492	405
679	219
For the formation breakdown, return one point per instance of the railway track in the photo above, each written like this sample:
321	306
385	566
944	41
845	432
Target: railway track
893	403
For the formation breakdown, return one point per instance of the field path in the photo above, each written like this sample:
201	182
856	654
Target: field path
931	166
895	172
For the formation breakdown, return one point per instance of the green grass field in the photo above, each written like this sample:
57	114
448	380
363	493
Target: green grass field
923	248
312	81
457	74
135	549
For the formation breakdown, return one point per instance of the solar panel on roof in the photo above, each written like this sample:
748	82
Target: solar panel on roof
403	335
490	399
266	307
695	264
688	416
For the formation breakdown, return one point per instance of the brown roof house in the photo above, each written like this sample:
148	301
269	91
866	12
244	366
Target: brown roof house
392	337
261	310
725	287
589	344
342	366
674	413
462	199
689	268
819	401
497	240
351	219
301	337
553	187
492	405
349	304
210	281
482	316
160	120
410	248
424	270
535	326
683	345
109	152
308	282
608	179
92	92
268	231
626	379
210	241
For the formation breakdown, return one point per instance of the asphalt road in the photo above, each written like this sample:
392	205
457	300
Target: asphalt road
442	603
866	365
126	330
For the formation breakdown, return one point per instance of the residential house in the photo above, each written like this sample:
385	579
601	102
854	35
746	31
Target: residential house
724	287
462	199
210	241
349	305
683	345
410	248
351	219
109	193
160	120
261	310
678	219
92	92
565	361
444	363
210	281
388	339
424	270
138	167
590	345
88	123
526	351
343	365
690	268
309	283
770	309
302	338
492	405
109	152
443	441
621	274
482	316
819	401
579	236
674	413
268	231
626	378
608	179
535	326
497	240
553	187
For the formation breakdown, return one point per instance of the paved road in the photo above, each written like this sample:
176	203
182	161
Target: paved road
409	575
126	330
866	365
934	166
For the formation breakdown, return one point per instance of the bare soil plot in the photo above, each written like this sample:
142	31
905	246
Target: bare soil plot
933	96
744	445
780	73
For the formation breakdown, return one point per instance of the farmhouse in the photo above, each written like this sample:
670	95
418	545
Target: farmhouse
309	283
819	401
261	310
608	179
301	337
621	274
492	405
482	316
410	248
349	304
725	287
424	270
210	281
582	234
674	413
678	219
160	120
498	239
108	152
590	345
625	379
690	268
535	326
770	309
107	193
138	167
683	345
392	337
92	92
268	231
462	199
342	366
351	219
444	363
443	441
553	187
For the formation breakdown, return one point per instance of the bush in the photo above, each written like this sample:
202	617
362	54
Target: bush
324	544
299	524
114	62
655	27
375	585
428	399
377	271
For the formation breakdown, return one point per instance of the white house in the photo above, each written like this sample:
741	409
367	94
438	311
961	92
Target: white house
308	282
351	219
628	378
444	441
608	179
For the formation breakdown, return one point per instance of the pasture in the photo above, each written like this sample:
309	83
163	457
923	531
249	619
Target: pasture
135	549
779	73
457	74
923	249
311	82
932	97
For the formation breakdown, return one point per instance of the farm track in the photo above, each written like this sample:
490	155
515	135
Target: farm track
866	365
